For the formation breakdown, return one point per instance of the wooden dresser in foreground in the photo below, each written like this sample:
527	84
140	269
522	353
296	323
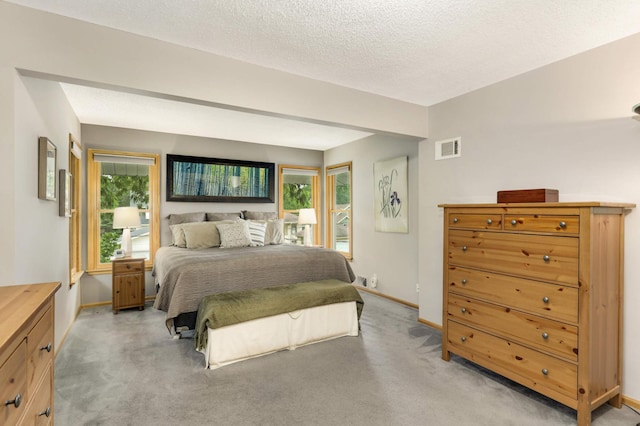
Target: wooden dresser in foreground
534	292
26	354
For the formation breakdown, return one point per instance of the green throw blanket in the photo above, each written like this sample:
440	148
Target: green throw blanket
222	309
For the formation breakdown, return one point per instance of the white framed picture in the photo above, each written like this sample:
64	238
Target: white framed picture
391	195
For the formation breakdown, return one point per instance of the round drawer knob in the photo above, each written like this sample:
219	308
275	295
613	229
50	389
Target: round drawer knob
545	299
16	401
464	281
489	221
463	310
464	248
545	371
455	220
514	222
545	335
47	348
45	413
463	339
545	257
563	224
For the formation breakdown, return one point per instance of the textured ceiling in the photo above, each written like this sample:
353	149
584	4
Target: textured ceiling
419	51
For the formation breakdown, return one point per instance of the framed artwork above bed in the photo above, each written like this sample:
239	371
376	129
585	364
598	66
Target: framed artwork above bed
218	180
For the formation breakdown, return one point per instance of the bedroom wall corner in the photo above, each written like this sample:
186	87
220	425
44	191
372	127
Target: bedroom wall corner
8	77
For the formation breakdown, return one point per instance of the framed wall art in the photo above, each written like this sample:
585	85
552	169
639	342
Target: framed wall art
47	163
65	192
391	195
219	180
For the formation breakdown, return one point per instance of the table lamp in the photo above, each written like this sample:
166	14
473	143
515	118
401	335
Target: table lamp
126	218
307	217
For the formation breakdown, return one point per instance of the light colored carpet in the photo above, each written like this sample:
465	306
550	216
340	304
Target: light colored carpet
126	370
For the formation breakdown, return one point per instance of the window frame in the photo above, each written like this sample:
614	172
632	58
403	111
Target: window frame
330	198
93	208
315	197
75	221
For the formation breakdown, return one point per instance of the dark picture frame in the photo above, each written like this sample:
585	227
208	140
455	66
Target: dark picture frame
204	179
47	164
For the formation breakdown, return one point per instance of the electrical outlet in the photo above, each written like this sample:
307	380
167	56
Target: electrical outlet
417	288
374	281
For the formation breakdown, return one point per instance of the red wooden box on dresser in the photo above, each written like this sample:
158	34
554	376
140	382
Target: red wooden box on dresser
533	291
26	353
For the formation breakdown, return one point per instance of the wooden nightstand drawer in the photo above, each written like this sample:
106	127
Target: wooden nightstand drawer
550	300
540	257
13	385
542	223
546	374
40	347
475	221
540	333
128	266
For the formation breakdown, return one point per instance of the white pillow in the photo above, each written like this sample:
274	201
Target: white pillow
234	234
275	232
178	236
257	231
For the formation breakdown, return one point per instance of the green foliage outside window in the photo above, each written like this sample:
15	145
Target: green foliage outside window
296	196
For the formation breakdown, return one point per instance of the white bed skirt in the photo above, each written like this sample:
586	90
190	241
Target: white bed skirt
250	339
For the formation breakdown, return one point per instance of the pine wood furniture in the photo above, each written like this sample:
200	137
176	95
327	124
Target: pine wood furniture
26	354
534	292
127	283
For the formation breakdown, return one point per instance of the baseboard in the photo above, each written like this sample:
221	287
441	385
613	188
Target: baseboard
66	332
377	293
97	304
430	324
630	402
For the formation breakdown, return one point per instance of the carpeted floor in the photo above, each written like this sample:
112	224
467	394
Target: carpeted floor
126	370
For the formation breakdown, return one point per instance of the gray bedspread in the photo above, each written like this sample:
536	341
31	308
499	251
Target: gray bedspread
185	276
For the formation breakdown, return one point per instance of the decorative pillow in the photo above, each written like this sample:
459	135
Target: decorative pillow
201	235
177	234
234	234
257	231
175	219
248	215
223	216
275	232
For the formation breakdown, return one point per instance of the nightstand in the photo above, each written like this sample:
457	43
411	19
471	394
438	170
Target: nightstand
127	283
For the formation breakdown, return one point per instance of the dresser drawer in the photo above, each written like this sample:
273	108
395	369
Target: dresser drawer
123	266
546	258
537	332
13	385
475	220
542	223
40	348
40	412
527	366
555	301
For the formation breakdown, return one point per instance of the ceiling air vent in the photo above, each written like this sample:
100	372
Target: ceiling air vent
449	148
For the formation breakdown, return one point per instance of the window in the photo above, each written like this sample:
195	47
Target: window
299	189
121	179
75	233
339	208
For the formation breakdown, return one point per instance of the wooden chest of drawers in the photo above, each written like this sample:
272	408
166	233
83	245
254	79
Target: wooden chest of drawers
26	354
534	292
128	283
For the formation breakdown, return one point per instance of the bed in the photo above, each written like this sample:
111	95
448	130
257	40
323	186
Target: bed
184	276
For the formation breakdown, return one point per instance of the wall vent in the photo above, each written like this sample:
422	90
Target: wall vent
449	148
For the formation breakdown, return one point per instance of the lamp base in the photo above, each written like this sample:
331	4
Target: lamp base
125	245
307	236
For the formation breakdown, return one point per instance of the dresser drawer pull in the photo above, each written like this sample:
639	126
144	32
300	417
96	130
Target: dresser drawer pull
514	222
47	348
464	281
545	257
463	339
545	299
464	248
489	221
455	220
45	413
563	224
545	335
463	310
545	371
16	401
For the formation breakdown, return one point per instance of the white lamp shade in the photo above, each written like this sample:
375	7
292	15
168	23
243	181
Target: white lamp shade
307	217
126	217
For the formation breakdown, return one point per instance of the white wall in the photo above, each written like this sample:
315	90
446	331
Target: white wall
40	237
97	288
566	126
393	257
